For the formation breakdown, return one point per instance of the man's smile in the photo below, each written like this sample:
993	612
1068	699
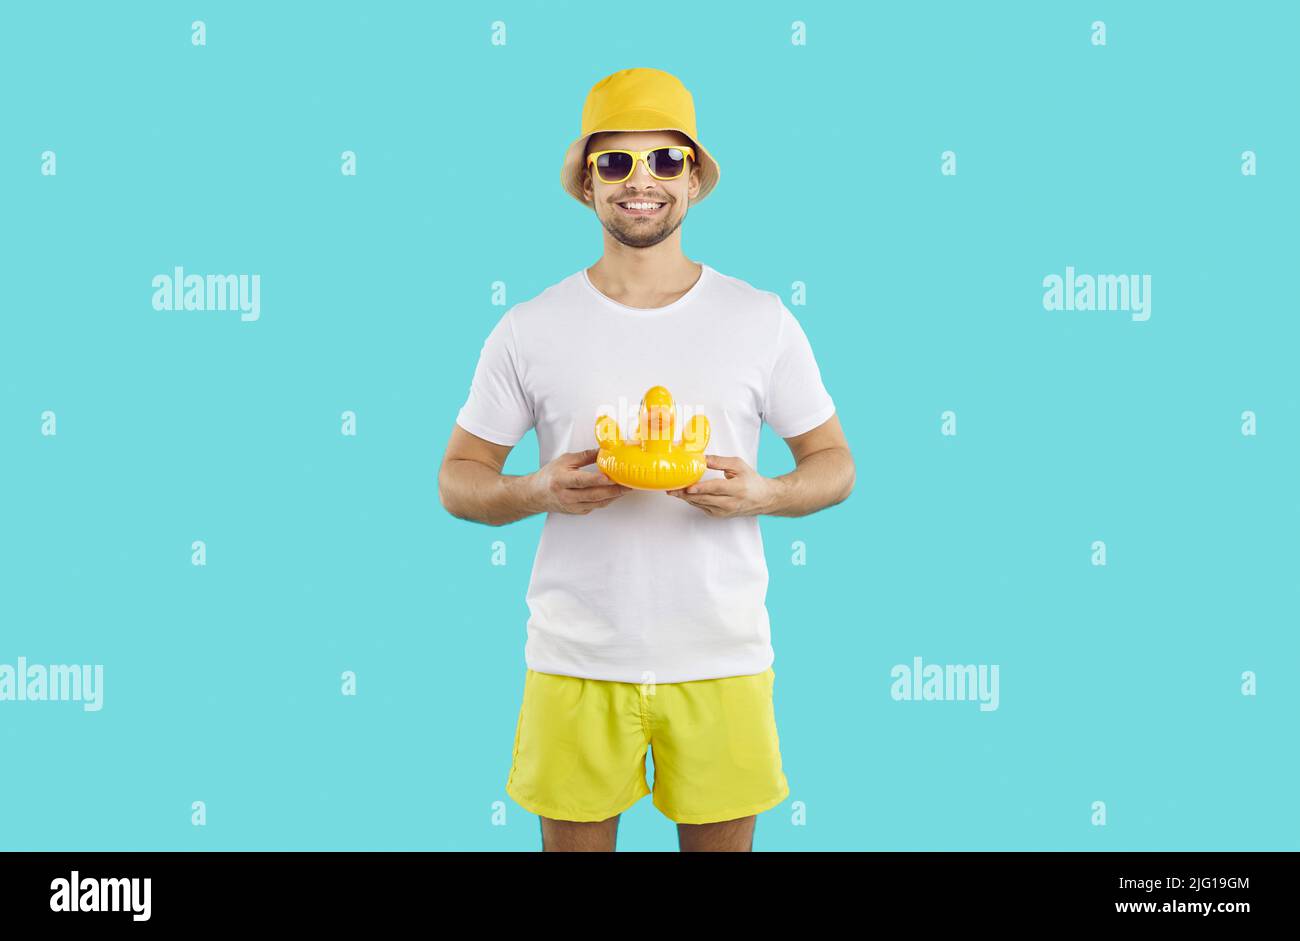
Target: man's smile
638	207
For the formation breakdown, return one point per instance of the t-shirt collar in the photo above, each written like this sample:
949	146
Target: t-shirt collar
694	289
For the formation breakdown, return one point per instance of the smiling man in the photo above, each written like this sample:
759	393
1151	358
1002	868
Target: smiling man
648	628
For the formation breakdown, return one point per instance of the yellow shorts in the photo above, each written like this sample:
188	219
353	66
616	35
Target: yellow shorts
580	747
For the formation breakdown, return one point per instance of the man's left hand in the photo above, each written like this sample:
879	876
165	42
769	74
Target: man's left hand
743	492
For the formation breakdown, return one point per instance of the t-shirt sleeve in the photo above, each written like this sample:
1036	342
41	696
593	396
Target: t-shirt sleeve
796	401
498	408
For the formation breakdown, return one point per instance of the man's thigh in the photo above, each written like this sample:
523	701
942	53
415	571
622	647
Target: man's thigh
573	836
727	836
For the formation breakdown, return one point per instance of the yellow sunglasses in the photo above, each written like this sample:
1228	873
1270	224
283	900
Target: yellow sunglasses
664	163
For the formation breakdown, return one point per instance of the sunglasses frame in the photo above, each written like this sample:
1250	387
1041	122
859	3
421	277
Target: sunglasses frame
644	157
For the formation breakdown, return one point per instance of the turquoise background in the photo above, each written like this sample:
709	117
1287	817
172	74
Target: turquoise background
328	553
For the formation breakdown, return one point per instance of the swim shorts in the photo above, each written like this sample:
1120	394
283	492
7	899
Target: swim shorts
580	747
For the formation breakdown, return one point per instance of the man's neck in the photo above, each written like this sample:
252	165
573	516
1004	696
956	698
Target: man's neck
648	283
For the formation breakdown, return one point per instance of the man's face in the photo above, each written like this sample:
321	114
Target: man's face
641	229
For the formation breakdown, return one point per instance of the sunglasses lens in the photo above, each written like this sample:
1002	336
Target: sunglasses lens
667	161
613	167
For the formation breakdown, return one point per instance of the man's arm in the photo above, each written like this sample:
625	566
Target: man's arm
824	473
823	476
472	487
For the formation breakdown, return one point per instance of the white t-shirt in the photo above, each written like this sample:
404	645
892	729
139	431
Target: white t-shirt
648	588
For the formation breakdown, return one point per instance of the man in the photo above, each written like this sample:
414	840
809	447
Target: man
648	626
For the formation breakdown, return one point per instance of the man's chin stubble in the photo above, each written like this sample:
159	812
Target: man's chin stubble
633	239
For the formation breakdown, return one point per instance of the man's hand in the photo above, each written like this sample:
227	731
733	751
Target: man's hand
560	487
743	492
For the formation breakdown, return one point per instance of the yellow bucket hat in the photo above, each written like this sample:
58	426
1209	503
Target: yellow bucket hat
637	100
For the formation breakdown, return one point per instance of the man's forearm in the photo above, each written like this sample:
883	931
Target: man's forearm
473	491
822	479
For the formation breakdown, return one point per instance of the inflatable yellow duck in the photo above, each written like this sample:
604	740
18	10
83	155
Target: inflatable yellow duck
652	461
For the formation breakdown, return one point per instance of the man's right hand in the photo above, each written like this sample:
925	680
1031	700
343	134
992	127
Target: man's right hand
562	488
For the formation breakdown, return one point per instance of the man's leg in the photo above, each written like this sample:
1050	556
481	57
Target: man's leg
729	836
572	836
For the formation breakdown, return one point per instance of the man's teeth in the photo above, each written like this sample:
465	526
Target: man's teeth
640	205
